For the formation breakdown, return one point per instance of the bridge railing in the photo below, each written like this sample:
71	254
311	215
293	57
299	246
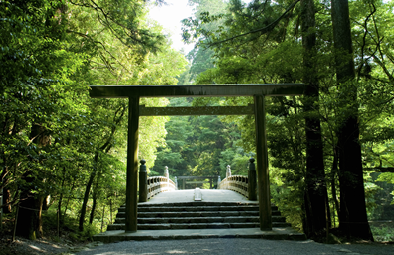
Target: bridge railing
238	183
245	185
157	184
149	187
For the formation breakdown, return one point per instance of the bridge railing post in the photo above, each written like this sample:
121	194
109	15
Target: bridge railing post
167	175
176	183
228	171
143	177
252	181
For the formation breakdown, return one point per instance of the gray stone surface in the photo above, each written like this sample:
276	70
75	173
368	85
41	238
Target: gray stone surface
239	246
208	195
172	215
220	209
284	233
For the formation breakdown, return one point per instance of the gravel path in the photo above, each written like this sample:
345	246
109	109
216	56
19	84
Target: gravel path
235	247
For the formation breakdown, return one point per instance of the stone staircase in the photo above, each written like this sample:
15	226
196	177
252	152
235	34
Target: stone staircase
197	215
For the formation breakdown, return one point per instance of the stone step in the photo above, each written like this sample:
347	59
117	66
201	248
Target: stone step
193	208
198	220
198	203
195	214
283	233
196	208
196	226
231	219
212	219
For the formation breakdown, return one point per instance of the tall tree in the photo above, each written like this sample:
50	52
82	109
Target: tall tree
316	198
352	216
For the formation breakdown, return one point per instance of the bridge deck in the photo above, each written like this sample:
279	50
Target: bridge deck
208	195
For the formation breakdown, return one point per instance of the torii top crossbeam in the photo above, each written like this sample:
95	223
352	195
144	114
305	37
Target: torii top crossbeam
119	91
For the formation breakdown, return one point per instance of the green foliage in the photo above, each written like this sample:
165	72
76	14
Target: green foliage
200	146
55	139
69	224
386	177
288	199
253	46
383	233
203	58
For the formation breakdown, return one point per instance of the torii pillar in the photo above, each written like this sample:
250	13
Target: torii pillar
262	164
132	165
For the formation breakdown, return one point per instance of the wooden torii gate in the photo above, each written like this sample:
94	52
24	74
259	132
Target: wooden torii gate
184	178
135	92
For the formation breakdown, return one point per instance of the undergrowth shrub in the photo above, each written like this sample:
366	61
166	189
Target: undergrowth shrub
68	226
383	233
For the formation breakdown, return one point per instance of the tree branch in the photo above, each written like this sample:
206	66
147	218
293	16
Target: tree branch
263	30
380	169
364	39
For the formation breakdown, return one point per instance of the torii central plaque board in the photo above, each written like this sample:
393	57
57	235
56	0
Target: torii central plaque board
258	91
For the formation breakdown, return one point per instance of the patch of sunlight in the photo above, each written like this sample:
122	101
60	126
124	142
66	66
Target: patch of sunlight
176	252
34	247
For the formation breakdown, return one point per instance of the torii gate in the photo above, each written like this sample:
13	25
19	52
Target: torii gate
258	91
196	177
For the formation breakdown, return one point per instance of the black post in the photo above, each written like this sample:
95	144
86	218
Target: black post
143	193
252	181
132	166
262	164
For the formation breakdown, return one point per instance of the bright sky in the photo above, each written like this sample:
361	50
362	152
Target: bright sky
170	16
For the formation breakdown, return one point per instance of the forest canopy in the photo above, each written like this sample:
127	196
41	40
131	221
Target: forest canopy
329	147
55	140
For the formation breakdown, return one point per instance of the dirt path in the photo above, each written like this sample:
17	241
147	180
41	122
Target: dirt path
236	246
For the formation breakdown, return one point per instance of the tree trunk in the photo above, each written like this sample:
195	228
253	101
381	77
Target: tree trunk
87	192
105	147
6	193
30	206
59	209
353	215
46	202
94	206
59	206
315	196
29	216
95	195
7	201
68	202
334	172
